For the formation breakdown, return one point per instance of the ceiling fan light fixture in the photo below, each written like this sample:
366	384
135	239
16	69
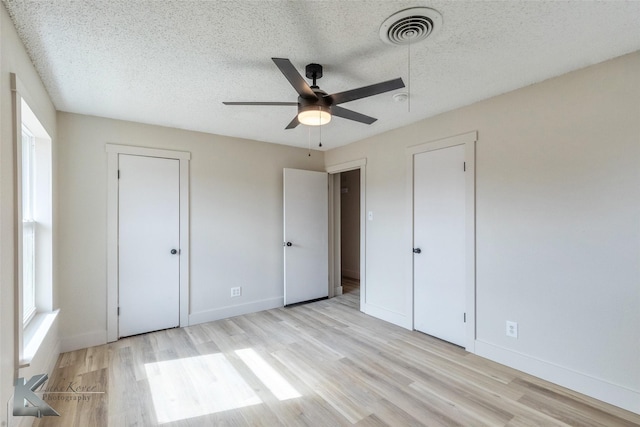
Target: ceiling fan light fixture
314	115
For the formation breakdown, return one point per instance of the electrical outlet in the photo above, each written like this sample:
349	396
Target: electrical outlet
236	292
512	329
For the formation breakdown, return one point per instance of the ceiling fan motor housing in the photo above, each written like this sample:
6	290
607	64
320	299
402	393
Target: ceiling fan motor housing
322	99
323	102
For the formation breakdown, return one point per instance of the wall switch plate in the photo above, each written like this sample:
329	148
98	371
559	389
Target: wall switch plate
236	292
512	329
370	216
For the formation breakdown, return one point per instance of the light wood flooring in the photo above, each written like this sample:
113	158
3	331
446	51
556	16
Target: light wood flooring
320	364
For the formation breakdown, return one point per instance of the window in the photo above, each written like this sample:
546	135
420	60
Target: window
34	146
33	228
28	226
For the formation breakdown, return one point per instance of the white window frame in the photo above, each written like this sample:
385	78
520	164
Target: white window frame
33	324
27	142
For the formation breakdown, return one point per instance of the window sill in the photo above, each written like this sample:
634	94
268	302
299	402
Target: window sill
34	335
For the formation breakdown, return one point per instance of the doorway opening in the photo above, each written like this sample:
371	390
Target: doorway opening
350	232
347	259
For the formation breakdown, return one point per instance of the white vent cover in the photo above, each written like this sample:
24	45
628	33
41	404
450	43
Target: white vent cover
410	26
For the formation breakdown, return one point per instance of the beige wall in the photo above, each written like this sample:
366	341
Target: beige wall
14	59
558	202
236	219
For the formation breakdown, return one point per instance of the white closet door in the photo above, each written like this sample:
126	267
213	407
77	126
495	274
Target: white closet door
148	239
439	237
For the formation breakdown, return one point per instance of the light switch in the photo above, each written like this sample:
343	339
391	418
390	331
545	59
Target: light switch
370	216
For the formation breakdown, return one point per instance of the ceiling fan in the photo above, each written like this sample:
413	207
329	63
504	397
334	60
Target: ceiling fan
315	106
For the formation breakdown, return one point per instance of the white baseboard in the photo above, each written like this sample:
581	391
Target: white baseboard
52	359
594	387
387	315
91	339
351	274
22	421
77	342
235	310
45	363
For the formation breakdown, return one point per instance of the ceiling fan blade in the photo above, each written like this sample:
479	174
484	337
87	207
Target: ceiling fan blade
297	81
365	91
293	123
261	103
351	115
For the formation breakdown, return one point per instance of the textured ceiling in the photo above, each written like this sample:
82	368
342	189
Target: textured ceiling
172	63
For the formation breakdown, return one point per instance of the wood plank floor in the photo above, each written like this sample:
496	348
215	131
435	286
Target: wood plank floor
320	364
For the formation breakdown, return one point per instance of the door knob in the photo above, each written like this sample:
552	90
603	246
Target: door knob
174	251
416	250
289	244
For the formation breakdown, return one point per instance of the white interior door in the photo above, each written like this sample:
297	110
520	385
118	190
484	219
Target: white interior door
306	234
148	244
439	234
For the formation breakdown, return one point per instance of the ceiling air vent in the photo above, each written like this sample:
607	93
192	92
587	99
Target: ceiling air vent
410	26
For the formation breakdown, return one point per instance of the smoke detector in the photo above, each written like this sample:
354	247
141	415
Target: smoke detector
410	26
401	97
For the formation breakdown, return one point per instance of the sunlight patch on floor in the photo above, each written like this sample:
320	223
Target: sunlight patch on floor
269	377
196	386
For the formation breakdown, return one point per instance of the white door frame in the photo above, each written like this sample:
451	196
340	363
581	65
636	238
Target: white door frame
468	140
335	286
113	150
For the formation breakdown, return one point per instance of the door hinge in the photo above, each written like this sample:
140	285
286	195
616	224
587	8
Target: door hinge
118	173
118	311
464	166
465	317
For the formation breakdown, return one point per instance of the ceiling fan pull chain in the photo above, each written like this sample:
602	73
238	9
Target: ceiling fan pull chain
309	139
320	115
409	76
